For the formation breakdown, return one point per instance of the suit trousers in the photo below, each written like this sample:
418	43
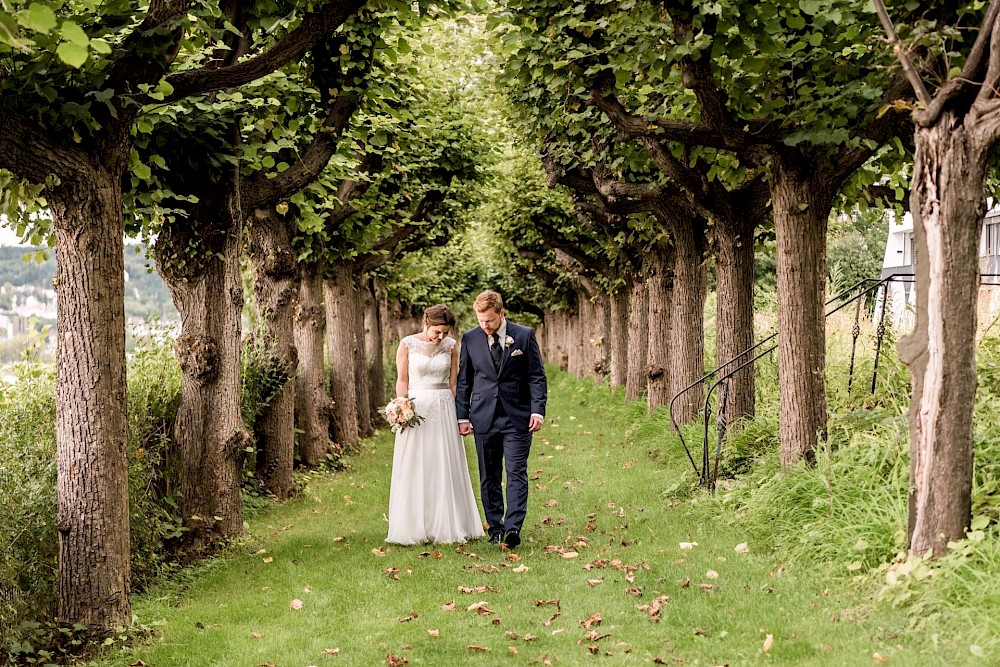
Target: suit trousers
505	444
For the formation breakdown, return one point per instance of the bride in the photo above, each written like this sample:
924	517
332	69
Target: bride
430	495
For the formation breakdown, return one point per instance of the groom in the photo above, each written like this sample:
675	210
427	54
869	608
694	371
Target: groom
501	399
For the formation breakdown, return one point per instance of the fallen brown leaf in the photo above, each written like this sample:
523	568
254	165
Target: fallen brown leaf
295	604
477	649
594	619
255	635
768	643
331	651
394	661
448	606
406	619
593	583
433	633
879	658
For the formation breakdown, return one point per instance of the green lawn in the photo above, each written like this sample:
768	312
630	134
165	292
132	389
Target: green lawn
317	585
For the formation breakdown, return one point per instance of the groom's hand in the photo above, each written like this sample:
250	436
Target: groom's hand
465	428
535	424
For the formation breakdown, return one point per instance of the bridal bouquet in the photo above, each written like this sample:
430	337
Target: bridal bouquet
400	413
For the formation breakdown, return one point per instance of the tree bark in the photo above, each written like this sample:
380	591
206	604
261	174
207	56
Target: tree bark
375	359
638	340
199	259
341	323
734	310
660	288
363	368
948	205
621	322
801	209
312	404
687	345
91	424
276	285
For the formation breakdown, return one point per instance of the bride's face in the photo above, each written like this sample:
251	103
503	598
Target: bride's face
436	333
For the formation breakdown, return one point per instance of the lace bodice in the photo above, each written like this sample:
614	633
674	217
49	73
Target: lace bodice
429	363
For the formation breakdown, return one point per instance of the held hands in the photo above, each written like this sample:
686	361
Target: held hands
465	428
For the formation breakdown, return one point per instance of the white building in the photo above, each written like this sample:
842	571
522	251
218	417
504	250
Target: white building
900	258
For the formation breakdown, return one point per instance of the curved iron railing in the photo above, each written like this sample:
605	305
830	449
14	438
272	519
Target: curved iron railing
864	288
703	471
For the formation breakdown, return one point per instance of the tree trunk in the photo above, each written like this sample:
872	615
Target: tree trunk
312	404
373	348
618	343
734	319
948	206
638	340
199	259
687	345
363	373
577	337
341	324
91	424
801	210
660	288
276	285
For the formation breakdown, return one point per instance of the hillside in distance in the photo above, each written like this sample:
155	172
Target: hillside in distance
146	295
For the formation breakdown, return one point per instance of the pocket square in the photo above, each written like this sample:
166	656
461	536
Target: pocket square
516	353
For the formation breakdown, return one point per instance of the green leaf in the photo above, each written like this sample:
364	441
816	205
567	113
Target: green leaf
142	171
100	46
39	17
72	54
74	34
810	7
980	522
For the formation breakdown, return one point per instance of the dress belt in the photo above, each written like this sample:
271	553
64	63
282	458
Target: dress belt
439	385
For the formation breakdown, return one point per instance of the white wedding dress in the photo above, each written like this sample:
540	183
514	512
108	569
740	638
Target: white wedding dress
430	495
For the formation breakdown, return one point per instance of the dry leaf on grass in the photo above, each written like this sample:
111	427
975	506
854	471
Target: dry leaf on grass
594	619
407	619
477	649
391	572
742	548
378	552
687	546
768	643
557	603
433	633
593	583
478	589
481	607
395	661
295	604
255	635
331	651
521	568
448	606
879	658
712	574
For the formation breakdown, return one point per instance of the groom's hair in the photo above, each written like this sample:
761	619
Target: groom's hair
488	300
438	315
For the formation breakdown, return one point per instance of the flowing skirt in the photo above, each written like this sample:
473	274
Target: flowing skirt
430	495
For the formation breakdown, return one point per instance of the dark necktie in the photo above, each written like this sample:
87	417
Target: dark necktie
495	351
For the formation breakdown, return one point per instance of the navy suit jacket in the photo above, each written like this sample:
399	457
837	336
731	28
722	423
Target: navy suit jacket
520	385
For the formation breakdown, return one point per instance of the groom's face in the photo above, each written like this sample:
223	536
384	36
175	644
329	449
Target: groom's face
490	320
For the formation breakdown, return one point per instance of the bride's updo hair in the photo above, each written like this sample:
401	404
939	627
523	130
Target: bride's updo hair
439	315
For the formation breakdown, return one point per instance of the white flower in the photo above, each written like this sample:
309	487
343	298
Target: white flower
508	341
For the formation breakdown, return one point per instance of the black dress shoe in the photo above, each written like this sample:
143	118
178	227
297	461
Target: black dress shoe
512	539
496	538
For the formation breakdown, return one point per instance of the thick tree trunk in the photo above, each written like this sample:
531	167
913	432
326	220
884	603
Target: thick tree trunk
91	424
312	404
199	259
638	340
618	343
363	373
948	205
373	349
341	323
577	337
734	320
660	289
687	345
801	208
276	286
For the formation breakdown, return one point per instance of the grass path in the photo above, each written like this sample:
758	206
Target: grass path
596	492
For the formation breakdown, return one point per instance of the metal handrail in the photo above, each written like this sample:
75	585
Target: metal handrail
872	285
703	474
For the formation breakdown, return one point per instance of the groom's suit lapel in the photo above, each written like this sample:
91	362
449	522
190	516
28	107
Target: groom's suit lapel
485	342
507	349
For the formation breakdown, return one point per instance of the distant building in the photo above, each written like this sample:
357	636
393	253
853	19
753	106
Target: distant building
900	260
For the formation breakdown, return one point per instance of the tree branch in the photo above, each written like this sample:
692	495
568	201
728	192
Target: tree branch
316	26
904	58
29	152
